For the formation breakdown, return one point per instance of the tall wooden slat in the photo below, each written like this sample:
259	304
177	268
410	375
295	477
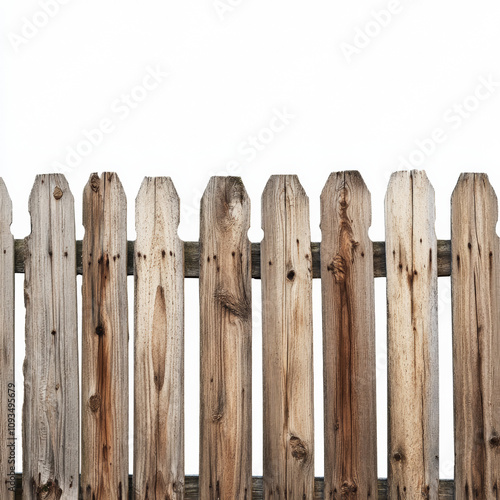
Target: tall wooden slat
475	282
411	248
105	340
51	377
287	341
348	339
159	344
7	389
226	332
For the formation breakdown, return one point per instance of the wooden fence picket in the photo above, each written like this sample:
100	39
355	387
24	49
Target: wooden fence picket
287	340
226	341
51	451
475	281
348	338
7	389
159	344
105	340
411	248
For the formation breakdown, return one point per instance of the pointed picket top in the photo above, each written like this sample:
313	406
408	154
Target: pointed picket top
475	280
159	342
413	400
51	446
225	341
348	337
7	304
287	338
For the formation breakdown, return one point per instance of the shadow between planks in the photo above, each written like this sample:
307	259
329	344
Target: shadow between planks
192	253
446	489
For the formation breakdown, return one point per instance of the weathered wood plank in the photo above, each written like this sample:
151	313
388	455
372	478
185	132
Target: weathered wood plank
105	340
348	338
51	377
446	489
413	449
192	254
226	336
7	388
159	344
475	283
287	339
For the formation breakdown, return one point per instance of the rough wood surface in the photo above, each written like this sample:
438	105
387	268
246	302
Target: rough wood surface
413	468
192	254
159	344
476	338
226	342
105	340
446	489
348	339
51	377
7	388
287	340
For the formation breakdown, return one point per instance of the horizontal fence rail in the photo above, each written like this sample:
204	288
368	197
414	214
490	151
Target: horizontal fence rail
75	438
192	258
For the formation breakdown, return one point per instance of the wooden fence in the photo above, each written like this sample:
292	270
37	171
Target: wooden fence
225	262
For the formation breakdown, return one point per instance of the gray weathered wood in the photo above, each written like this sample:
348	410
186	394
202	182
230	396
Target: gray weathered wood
159	344
105	340
287	339
226	341
192	253
51	377
446	489
413	469
476	338
348	338
7	388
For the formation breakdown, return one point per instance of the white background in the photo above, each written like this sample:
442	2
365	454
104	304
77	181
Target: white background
229	71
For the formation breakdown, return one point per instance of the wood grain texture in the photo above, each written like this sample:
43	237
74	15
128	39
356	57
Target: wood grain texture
446	489
413	468
348	339
226	336
287	341
475	283
105	340
159	344
7	388
51	377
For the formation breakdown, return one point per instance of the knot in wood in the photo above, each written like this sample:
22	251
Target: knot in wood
338	267
298	448
348	488
95	182
49	491
95	402
495	441
57	193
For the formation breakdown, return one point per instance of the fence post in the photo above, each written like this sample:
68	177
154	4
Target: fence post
159	344
348	307
226	342
475	281
411	259
105	340
7	389
287	341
